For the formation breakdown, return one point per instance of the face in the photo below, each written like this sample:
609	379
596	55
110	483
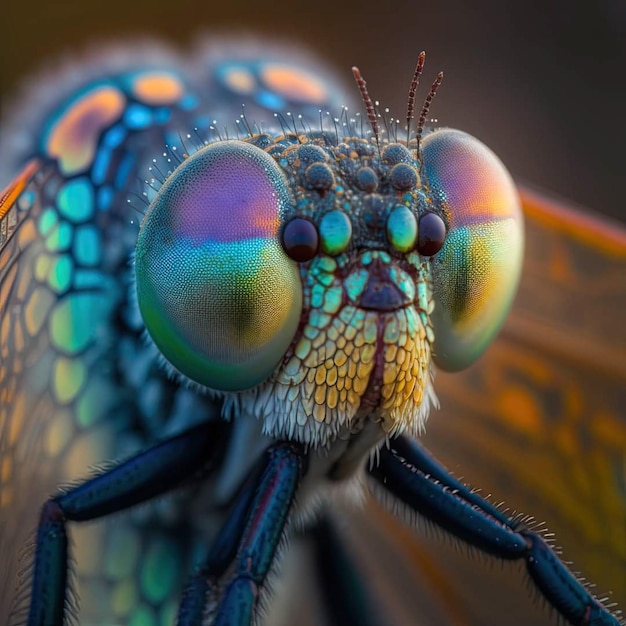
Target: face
315	280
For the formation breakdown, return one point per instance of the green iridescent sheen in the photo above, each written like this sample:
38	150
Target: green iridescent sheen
86	248
74	322
61	272
59	238
239	340
402	229
335	232
467	261
47	221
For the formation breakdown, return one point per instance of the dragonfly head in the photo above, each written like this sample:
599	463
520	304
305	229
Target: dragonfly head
314	279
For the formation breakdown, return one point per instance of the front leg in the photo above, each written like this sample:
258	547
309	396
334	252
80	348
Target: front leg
412	475
250	538
140	478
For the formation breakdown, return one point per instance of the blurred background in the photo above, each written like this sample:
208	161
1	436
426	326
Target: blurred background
543	84
540	82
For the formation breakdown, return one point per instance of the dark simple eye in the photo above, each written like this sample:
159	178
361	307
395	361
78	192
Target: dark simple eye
431	234
300	240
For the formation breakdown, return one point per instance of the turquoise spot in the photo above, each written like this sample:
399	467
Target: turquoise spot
59	238
317	296
47	221
335	232
87	246
160	571
88	279
138	116
403	281
76	200
422	296
326	279
332	300
60	276
74	321
327	264
355	283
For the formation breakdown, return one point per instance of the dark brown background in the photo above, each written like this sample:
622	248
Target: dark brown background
542	83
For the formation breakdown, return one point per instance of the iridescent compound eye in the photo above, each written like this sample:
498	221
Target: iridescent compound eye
217	292
476	271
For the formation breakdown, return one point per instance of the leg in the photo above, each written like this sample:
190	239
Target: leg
250	537
142	477
410	474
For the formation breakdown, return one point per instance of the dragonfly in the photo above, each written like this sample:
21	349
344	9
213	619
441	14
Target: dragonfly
113	358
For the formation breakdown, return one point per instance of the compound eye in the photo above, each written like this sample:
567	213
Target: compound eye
217	292
300	239
477	269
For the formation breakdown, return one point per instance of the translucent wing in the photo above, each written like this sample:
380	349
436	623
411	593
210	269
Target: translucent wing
539	423
79	386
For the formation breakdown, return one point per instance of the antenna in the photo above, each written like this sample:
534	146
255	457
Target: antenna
367	101
410	107
425	107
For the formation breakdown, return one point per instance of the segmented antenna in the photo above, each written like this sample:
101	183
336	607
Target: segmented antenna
367	101
425	107
410	106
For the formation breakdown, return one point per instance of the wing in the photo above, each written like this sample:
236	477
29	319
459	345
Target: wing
79	386
539	423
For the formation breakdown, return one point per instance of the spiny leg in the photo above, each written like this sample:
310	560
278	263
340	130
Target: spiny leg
138	479
250	537
204	583
412	475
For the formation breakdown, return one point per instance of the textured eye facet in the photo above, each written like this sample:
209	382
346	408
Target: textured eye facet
476	271
217	292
